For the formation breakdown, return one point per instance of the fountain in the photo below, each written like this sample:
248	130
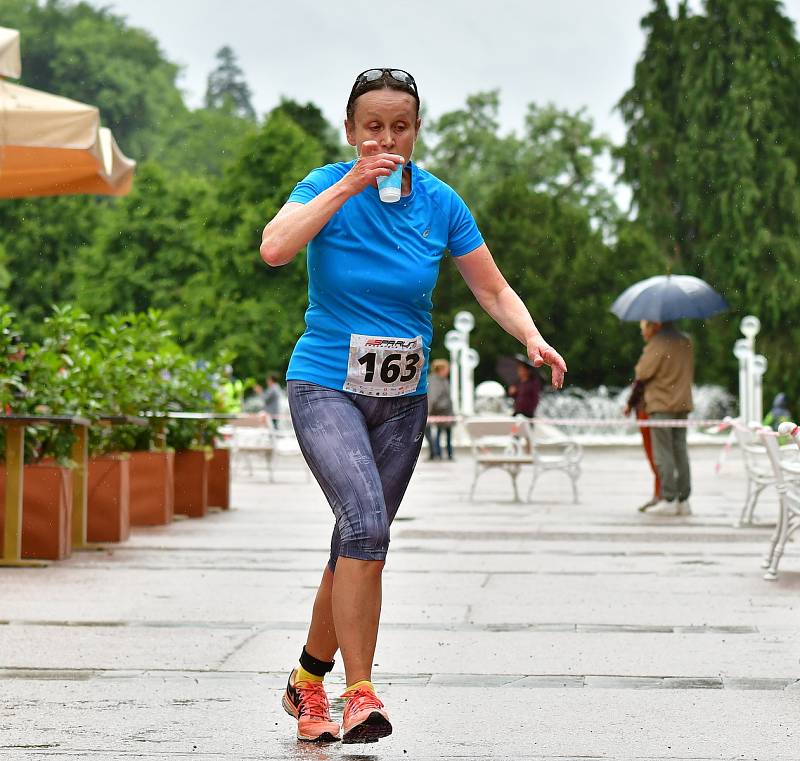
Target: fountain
602	403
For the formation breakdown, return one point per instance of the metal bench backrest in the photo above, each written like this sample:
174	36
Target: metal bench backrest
785	474
753	452
494	433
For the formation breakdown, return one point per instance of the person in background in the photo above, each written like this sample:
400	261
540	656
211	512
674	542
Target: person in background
439	405
273	398
779	413
526	391
666	368
230	392
254	403
635	404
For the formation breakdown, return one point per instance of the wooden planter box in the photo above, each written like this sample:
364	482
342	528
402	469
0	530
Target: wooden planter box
219	479
191	482
108	501
46	511
152	481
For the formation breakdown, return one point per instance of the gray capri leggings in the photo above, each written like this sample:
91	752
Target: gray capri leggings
362	451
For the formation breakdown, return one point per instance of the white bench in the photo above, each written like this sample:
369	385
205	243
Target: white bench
759	470
510	443
249	436
787	475
252	437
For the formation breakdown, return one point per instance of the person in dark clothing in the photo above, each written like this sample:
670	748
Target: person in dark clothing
526	391
779	413
635	404
439	405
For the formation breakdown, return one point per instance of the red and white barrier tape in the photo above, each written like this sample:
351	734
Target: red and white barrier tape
786	429
604	422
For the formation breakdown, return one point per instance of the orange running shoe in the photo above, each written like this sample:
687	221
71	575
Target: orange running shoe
308	703
364	719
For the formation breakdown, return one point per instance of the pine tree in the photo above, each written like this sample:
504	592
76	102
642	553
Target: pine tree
227	88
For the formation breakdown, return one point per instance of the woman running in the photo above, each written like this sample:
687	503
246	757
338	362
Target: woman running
357	377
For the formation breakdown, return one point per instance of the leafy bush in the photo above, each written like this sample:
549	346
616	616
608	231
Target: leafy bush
123	365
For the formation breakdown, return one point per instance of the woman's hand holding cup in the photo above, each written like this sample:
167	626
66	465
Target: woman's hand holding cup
371	164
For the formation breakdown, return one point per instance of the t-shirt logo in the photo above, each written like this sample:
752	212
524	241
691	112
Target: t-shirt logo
426	233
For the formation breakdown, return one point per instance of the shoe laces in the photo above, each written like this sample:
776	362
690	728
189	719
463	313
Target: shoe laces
361	699
313	700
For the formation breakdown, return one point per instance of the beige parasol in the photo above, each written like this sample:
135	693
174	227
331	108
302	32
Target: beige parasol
51	145
55	146
10	65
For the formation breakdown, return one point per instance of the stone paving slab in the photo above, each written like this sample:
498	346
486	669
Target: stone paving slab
157	716
529	631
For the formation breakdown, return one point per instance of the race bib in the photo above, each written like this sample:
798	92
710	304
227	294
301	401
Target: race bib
381	366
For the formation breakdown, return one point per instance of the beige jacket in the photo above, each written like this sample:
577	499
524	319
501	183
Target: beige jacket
667	369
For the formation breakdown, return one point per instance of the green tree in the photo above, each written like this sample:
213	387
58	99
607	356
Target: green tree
227	88
713	154
42	239
558	153
654	113
202	141
465	150
237	302
313	122
92	55
552	255
146	247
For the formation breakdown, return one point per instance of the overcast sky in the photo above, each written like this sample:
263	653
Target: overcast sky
573	53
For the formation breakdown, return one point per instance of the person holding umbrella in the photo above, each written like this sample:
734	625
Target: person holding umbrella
666	368
666	372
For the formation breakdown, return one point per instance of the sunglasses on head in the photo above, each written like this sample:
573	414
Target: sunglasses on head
371	75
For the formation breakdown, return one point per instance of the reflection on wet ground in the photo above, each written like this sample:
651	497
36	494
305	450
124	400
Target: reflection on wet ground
300	751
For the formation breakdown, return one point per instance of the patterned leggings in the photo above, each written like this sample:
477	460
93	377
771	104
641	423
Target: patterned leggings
362	450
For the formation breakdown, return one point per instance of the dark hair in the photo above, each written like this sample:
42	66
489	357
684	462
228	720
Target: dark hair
385	82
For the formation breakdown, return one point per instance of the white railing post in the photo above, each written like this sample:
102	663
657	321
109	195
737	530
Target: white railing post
454	343
741	350
759	363
464	323
750	327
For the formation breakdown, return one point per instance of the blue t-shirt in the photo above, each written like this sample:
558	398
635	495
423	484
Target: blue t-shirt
373	267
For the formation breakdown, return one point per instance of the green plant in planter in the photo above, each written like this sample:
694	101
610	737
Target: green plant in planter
125	365
12	352
128	351
61	378
145	371
13	388
194	388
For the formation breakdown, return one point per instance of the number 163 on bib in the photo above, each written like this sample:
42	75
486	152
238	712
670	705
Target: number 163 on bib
384	366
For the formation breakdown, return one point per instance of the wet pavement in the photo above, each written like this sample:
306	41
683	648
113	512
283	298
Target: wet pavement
510	631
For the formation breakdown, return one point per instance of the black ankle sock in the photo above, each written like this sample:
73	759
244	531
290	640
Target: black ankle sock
314	665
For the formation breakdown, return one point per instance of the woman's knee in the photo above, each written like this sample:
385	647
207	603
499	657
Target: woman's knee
369	542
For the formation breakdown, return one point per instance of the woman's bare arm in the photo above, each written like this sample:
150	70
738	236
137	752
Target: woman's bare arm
297	223
499	300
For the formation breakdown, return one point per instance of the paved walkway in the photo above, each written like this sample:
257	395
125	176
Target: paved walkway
510	631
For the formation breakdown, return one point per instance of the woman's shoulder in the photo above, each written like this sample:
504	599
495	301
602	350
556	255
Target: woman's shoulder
440	192
430	181
318	180
333	171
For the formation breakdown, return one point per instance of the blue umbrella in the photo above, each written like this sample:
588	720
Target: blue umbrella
664	298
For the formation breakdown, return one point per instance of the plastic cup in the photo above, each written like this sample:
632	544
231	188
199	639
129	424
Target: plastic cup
389	187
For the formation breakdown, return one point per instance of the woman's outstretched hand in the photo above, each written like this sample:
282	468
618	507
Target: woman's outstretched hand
371	164
541	353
